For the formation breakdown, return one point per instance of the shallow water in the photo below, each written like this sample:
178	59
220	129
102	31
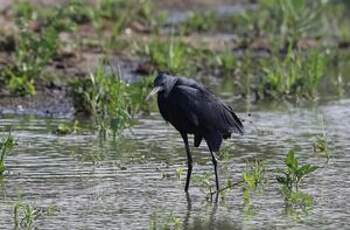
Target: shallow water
130	183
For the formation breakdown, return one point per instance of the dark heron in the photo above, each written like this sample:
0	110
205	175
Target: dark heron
192	109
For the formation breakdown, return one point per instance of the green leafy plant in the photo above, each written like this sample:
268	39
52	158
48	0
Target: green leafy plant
299	199
320	145
138	92
6	145
198	22
226	62
170	56
36	45
79	12
108	101
25	215
205	182
179	172
64	129
291	179
297	74
288	21
225	154
253	174
293	174
294	19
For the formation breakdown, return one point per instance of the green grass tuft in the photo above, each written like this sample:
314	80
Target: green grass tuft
6	146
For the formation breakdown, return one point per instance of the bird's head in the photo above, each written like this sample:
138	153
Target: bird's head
163	83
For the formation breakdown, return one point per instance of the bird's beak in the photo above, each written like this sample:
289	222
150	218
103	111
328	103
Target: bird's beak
153	92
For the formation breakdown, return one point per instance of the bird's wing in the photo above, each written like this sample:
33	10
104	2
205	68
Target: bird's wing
205	110
232	119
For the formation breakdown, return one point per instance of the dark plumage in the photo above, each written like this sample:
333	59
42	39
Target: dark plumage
193	109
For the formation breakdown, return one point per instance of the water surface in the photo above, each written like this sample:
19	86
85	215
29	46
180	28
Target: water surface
131	183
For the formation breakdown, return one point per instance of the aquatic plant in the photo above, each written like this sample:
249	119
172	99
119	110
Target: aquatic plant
293	173
205	182
253	174
137	92
294	19
286	21
6	146
226	62
199	22
164	221
225	154
290	181
297	74
108	102
320	145
64	129
298	199
25	215
172	56
101	97
179	172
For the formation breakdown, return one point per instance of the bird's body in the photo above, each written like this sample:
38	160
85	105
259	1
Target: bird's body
193	109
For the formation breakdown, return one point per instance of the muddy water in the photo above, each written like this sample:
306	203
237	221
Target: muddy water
131	183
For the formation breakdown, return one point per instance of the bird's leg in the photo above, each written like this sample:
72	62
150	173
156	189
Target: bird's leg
189	161
215	163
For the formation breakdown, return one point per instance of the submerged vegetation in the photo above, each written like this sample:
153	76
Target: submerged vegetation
253	175
321	145
254	178
26	215
107	102
101	58
6	145
64	129
110	101
291	179
290	20
296	74
162	220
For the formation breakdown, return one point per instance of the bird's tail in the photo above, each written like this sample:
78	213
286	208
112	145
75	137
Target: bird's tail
233	120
